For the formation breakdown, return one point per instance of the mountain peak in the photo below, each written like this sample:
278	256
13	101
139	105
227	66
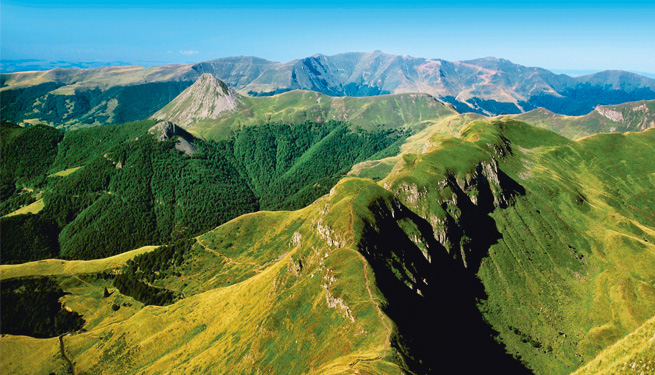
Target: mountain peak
207	99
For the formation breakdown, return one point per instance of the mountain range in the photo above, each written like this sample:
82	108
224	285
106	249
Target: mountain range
259	217
490	86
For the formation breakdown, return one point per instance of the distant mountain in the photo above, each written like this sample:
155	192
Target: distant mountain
73	97
633	116
213	111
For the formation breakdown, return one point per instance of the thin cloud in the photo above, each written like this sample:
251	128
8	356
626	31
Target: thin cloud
188	52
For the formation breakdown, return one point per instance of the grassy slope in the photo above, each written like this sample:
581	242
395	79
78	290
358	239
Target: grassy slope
31	208
27	355
64	173
555	275
52	267
308	305
634	354
370	113
291	292
415	144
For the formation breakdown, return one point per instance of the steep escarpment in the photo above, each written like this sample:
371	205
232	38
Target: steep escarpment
431	297
528	215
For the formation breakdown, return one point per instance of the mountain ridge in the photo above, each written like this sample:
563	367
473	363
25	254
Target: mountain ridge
507	225
490	86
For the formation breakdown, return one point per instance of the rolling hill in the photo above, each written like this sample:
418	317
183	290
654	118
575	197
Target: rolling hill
71	98
505	238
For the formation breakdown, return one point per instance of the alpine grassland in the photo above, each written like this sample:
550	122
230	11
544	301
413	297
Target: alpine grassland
565	250
503	246
369	113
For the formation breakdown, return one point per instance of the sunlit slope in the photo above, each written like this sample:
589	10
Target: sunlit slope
50	267
560	233
548	240
417	143
633	354
308	303
370	113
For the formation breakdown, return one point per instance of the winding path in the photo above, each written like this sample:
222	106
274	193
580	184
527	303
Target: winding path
367	284
63	353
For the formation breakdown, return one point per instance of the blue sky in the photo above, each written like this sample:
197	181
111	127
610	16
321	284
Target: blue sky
561	35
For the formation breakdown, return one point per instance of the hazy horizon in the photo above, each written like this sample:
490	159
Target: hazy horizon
39	65
559	35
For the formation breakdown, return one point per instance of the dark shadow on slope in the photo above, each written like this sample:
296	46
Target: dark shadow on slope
472	233
431	294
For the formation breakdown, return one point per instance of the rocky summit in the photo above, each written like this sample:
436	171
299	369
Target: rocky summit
207	98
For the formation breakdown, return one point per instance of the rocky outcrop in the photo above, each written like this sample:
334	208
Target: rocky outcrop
166	130
611	114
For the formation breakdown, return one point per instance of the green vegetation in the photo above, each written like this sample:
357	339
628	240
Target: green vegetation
288	167
401	111
134	191
28	237
31	307
554	272
143	292
528	249
26	156
80	107
144	192
140	272
80	147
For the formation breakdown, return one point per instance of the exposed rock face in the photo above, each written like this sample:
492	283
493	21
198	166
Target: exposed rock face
207	99
611	114
166	130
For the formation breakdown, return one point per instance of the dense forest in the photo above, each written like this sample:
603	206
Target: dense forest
288	167
26	156
31	307
133	190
